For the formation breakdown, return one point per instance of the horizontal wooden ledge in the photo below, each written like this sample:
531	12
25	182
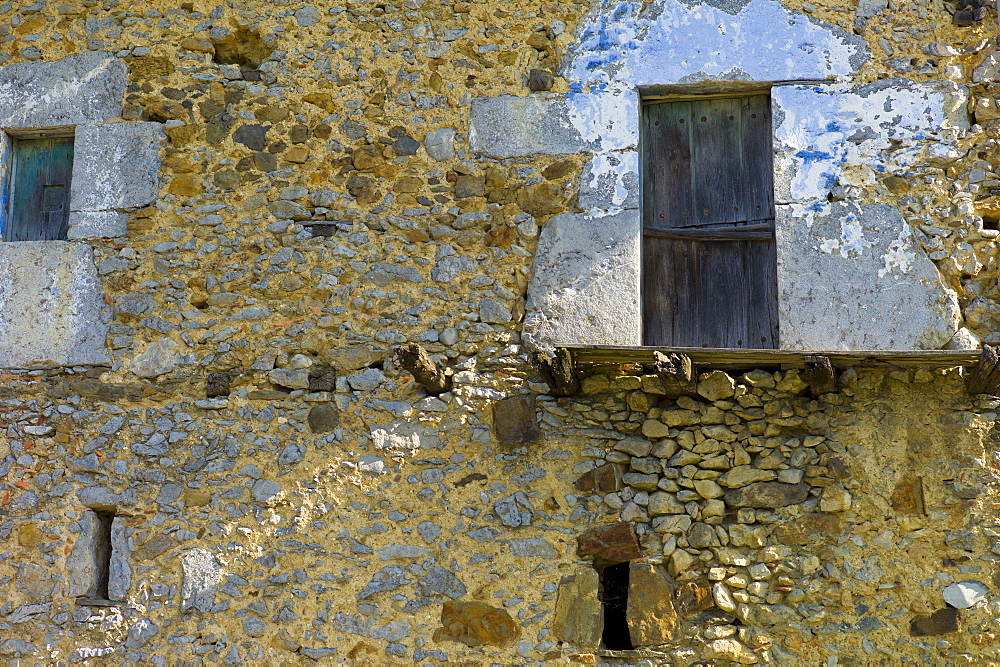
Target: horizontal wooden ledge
759	232
748	359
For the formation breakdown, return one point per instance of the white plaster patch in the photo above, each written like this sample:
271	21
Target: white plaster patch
610	184
609	165
402	436
83	652
851	240
608	118
668	42
898	255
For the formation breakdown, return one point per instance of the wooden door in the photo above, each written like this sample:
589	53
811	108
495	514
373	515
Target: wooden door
709	258
39	209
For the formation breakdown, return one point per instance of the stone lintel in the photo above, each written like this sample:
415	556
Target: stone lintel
80	88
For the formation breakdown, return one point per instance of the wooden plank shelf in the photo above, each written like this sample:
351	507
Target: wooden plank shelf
738	359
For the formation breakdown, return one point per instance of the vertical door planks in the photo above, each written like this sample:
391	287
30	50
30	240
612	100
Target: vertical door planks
708	174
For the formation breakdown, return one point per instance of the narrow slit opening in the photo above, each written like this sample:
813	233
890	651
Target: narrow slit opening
614	600
102	554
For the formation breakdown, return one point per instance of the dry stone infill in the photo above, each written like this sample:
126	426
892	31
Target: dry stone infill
744	494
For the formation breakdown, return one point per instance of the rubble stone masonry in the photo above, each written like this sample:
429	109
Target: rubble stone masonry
210	449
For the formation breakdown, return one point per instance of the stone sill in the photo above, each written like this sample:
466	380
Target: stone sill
97	602
662	657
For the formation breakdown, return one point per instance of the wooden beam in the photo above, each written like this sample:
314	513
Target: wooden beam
820	375
415	359
558	371
985	375
740	359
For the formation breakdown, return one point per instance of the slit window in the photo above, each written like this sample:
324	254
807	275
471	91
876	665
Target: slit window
102	555
709	262
99	572
614	601
39	195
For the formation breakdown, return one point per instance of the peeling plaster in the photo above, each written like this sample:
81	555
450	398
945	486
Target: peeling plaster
607	118
837	134
670	41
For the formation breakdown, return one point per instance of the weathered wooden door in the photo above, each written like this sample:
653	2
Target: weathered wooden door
709	261
39	209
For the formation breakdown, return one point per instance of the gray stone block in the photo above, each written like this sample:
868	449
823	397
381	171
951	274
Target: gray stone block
34	581
140	633
96	224
81	565
440	144
98	497
116	166
989	70
264	490
585	282
18	648
508	126
79	89
853	278
443	581
53	306
514	510
869	8
120	573
159	358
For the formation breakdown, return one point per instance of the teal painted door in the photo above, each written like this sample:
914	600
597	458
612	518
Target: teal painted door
39	207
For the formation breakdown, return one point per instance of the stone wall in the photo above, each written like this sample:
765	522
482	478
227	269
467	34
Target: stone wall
283	491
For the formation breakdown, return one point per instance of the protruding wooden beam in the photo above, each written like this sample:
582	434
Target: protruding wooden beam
985	375
217	384
820	375
558	372
677	373
415	359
